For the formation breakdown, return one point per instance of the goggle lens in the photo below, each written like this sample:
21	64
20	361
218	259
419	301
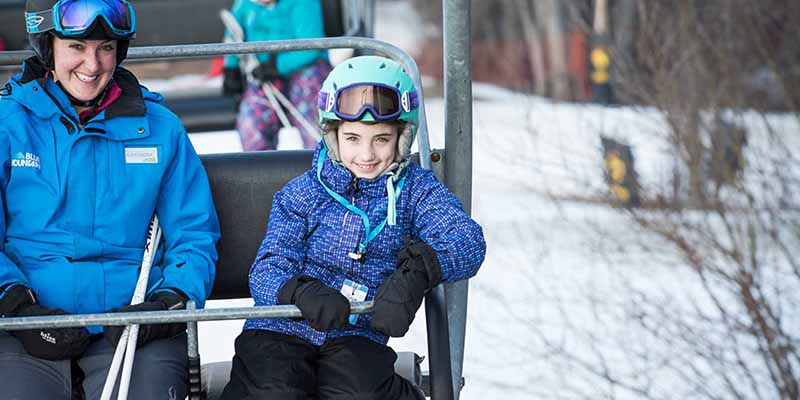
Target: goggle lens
76	16
382	101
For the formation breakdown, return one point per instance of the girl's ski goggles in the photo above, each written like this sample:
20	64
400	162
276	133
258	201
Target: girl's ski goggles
383	102
73	18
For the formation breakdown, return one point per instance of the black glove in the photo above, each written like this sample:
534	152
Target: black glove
49	344
158	302
400	296
232	82
323	307
266	72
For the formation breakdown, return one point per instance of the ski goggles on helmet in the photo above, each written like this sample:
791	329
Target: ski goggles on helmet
382	101
73	18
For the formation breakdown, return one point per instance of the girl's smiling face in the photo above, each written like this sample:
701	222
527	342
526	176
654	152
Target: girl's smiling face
367	149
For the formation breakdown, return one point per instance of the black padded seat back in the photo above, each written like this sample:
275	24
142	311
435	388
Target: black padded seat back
243	185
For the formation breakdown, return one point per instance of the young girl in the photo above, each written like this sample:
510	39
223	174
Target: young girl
362	224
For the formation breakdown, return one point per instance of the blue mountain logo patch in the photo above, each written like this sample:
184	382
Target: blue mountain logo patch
26	160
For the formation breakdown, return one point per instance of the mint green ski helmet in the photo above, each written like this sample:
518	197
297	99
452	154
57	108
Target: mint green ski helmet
370	70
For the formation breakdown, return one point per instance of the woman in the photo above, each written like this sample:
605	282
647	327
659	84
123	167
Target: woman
88	156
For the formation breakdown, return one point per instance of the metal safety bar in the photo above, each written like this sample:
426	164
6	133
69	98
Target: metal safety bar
162	317
277	46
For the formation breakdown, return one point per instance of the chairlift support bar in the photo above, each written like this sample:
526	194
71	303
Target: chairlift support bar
458	163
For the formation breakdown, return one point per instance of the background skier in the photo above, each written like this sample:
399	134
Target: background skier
297	74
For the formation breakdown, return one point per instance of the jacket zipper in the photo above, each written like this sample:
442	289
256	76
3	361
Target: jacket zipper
77	123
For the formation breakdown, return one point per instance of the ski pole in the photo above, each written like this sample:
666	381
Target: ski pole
113	371
270	90
131	333
147	261
236	35
296	114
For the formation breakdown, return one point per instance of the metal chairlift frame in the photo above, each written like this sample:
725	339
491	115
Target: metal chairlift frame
446	305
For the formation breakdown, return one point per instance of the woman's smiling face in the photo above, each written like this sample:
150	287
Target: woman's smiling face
84	67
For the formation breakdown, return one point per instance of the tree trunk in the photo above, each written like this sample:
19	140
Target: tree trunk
534	42
548	13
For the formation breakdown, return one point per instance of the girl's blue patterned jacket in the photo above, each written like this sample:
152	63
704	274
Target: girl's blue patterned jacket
310	233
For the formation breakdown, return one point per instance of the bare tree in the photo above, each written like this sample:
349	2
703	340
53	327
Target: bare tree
703	281
735	225
521	44
535	46
549	15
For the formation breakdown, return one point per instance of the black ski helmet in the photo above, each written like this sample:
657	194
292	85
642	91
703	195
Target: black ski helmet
37	11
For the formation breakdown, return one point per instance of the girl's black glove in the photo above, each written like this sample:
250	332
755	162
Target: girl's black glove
399	297
266	72
49	344
160	301
323	307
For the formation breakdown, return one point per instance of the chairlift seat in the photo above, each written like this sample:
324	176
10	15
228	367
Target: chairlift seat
243	185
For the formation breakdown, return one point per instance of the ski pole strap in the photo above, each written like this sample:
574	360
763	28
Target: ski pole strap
311	129
369	232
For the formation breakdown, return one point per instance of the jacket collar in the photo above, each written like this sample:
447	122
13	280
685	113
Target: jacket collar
342	181
124	119
131	102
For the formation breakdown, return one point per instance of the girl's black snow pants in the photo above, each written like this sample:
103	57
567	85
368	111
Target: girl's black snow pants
270	365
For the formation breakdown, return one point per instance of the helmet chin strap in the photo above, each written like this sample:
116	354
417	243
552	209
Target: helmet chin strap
86	103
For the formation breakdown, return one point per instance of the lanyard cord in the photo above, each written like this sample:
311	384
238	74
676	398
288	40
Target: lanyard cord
369	232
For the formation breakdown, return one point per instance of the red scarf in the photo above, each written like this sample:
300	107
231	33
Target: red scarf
114	92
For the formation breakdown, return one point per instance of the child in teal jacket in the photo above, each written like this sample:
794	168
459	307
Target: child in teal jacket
298	75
